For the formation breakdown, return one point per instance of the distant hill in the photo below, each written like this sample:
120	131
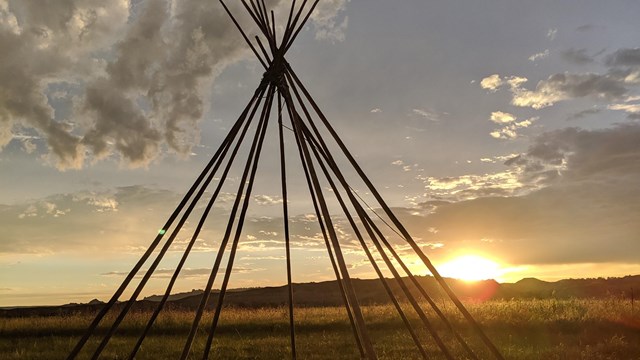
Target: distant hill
580	288
174	297
369	292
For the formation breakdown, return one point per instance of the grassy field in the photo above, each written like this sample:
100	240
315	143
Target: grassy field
521	329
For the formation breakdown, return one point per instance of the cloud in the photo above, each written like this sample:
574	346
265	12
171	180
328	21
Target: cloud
552	33
427	114
630	108
590	153
44	43
510	131
559	87
576	56
510	127
573	200
498	158
185	272
500	117
376	111
584	113
624	57
116	220
125	220
133	81
491	83
495	82
329	21
555	225
540	55
102	202
267	200
29	146
256	258
617	84
466	187
166	58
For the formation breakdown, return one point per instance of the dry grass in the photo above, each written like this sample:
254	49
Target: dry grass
522	329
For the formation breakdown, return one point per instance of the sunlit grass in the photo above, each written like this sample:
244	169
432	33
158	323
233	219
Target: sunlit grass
522	329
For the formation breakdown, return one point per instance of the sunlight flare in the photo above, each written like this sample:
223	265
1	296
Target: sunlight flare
472	268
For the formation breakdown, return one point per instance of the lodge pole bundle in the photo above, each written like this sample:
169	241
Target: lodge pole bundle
281	91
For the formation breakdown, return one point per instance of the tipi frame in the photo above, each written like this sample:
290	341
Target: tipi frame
282	87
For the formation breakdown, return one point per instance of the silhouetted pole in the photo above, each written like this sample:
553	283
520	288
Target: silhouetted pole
313	150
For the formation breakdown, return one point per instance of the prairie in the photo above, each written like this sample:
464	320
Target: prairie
522	329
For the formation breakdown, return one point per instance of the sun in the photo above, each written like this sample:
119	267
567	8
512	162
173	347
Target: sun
471	268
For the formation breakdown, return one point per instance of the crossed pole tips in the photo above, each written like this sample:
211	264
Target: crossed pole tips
281	86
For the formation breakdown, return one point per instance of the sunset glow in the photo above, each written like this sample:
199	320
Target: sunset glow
471	268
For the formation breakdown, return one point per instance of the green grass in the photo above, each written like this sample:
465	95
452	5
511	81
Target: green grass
521	329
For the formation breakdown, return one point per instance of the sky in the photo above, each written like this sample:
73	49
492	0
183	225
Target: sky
504	130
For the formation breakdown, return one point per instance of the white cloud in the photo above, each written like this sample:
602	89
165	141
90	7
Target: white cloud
552	33
491	83
30	211
498	158
465	187
631	108
264	200
500	117
540	55
516	81
427	114
376	111
510	129
101	202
